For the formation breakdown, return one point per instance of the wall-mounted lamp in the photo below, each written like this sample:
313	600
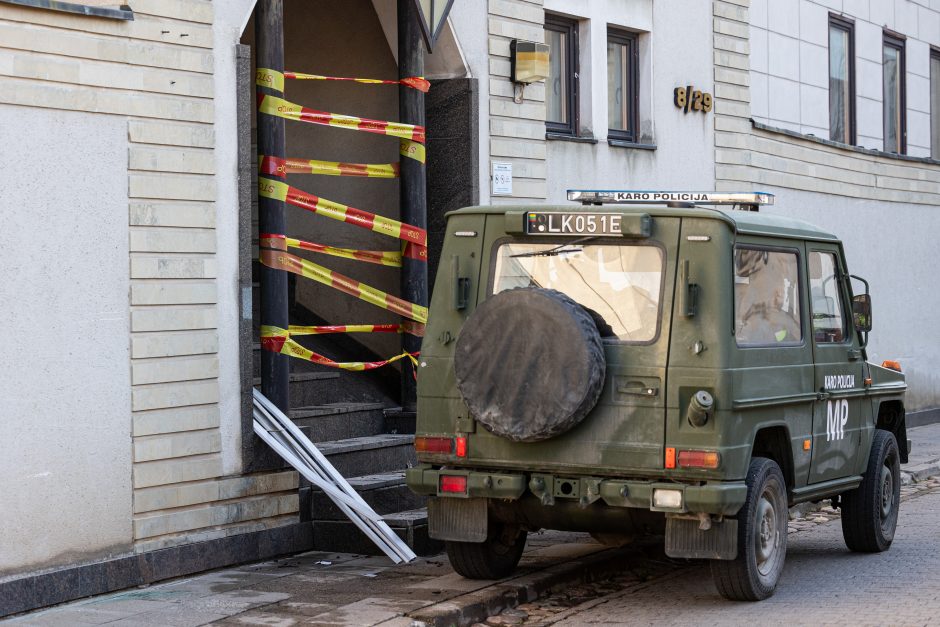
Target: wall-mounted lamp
528	63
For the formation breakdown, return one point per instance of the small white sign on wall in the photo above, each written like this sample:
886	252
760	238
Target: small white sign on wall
502	178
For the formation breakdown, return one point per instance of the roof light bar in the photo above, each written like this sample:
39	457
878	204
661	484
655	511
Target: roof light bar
640	197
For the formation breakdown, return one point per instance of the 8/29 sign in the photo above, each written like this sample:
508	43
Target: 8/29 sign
690	99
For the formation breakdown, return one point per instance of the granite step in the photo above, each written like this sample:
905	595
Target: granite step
373	454
385	492
335	421
343	536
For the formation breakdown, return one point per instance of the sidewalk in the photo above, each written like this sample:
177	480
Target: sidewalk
320	588
924	459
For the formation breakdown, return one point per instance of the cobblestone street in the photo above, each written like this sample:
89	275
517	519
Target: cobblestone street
822	584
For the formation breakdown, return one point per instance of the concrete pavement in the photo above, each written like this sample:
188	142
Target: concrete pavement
343	589
924	460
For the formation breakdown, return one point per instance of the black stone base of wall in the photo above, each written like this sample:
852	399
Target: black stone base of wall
68	584
922	417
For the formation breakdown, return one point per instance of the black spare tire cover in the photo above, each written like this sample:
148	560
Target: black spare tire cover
530	364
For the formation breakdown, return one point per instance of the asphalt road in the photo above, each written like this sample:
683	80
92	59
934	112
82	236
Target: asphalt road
822	584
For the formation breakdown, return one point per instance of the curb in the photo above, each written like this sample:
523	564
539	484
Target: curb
475	607
913	474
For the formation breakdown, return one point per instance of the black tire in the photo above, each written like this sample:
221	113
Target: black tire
762	537
870	511
530	364
494	558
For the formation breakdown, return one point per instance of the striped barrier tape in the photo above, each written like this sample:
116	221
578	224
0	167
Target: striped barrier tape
278	340
275	80
378	257
272	105
414	251
277	190
412	150
408	326
276	166
280	260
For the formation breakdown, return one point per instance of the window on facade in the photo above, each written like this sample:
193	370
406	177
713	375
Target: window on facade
561	99
622	85
894	95
826	298
766	298
935	104
841	80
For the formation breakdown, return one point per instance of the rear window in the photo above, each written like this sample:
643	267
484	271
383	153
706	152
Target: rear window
619	285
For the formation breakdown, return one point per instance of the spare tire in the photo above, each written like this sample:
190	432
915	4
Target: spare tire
530	364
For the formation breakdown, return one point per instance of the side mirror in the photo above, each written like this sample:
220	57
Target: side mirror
861	312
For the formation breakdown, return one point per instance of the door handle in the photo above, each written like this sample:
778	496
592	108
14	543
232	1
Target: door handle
822	395
855	354
637	388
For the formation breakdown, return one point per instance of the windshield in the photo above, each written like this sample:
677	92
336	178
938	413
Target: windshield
619	285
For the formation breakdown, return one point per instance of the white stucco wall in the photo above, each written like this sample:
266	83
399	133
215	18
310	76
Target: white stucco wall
65	392
790	64
684	157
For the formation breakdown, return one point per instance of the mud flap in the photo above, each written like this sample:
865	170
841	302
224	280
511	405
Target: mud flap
685	539
460	520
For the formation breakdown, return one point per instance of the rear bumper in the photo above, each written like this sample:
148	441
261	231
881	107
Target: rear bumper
719	497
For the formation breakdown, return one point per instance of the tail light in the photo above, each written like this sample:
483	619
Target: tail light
699	459
434	445
461	446
453	484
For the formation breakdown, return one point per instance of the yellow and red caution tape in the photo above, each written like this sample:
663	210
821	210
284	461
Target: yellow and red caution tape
408	326
277	190
275	80
272	105
276	166
280	260
412	150
278	340
415	82
378	257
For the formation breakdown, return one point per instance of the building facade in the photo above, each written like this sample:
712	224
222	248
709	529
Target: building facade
128	454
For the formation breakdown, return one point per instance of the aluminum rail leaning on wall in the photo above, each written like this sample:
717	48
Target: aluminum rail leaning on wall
296	449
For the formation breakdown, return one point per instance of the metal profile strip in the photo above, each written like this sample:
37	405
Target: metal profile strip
301	453
303	463
286	450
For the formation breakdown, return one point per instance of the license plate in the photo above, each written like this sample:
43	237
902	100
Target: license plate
548	223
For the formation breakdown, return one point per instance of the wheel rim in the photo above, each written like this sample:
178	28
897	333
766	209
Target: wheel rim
767	541
887	492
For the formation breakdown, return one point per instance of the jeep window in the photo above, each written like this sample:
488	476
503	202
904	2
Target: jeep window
766	297
620	286
826	298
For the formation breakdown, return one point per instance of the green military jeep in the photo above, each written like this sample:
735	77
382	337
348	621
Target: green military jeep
646	365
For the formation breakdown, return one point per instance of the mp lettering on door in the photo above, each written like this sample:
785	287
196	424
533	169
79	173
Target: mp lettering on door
837	414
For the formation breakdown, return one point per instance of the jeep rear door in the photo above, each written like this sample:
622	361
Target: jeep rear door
629	283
